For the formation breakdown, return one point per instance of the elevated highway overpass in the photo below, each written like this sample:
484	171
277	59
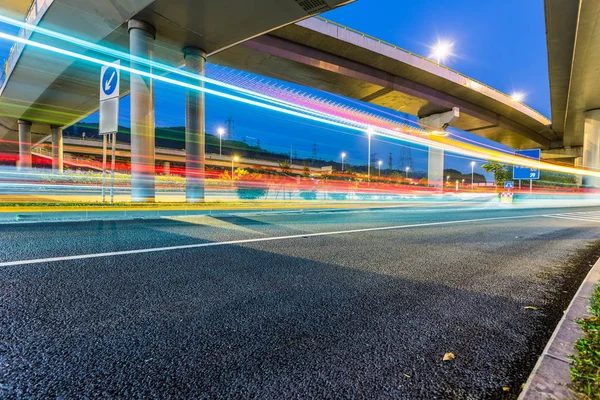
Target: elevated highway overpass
322	54
74	148
43	92
313	52
573	39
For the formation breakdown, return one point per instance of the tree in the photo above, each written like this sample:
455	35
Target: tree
285	166
306	169
501	172
558	178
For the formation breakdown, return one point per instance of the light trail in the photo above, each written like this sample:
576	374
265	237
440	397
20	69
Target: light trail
321	115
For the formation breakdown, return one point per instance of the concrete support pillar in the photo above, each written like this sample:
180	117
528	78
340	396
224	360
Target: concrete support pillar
166	167
141	44
435	163
57	148
435	168
24	144
591	146
578	163
194	128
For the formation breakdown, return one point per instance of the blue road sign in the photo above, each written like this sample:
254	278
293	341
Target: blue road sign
110	79
109	98
526	172
509	185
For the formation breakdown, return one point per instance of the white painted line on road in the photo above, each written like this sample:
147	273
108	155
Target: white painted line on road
571	218
581	214
255	240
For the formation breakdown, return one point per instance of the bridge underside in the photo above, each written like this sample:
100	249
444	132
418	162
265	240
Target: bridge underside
306	54
51	89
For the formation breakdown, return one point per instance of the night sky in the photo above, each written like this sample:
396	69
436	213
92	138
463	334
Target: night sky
500	43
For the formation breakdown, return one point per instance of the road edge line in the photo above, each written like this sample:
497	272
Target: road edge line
551	374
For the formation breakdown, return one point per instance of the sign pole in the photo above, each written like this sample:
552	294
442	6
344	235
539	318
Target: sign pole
112	167
530	185
103	166
520	184
109	118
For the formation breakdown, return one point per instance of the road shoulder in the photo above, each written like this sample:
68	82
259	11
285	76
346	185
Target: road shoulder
551	375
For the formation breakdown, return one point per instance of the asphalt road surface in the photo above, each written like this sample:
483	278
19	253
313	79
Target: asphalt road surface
311	305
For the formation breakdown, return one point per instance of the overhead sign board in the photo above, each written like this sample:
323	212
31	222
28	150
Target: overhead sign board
520	172
110	78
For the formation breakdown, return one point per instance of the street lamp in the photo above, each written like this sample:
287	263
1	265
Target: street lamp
235	158
343	156
407	168
448	180
441	50
379	164
220	132
472	172
518	96
369	134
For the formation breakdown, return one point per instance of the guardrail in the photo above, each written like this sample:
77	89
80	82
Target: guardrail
36	10
426	59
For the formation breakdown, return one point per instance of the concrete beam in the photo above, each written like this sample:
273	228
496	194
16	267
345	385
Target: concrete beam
565	152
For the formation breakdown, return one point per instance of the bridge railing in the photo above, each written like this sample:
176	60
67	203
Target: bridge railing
471	83
36	10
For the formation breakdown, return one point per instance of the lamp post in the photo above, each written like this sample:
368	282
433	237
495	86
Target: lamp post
472	173
448	180
441	50
343	156
220	132
235	158
407	168
518	96
379	165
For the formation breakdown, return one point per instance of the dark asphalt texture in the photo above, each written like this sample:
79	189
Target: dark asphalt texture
363	315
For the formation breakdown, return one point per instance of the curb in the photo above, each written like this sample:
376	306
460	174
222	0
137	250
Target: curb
551	374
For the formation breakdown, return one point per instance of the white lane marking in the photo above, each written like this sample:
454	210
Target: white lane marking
255	240
585	214
581	213
571	218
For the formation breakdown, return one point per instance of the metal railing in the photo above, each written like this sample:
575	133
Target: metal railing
475	82
36	10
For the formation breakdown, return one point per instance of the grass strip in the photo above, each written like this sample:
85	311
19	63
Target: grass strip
585	369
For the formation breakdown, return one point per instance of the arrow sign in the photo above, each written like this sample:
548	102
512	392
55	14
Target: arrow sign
109	85
109	82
